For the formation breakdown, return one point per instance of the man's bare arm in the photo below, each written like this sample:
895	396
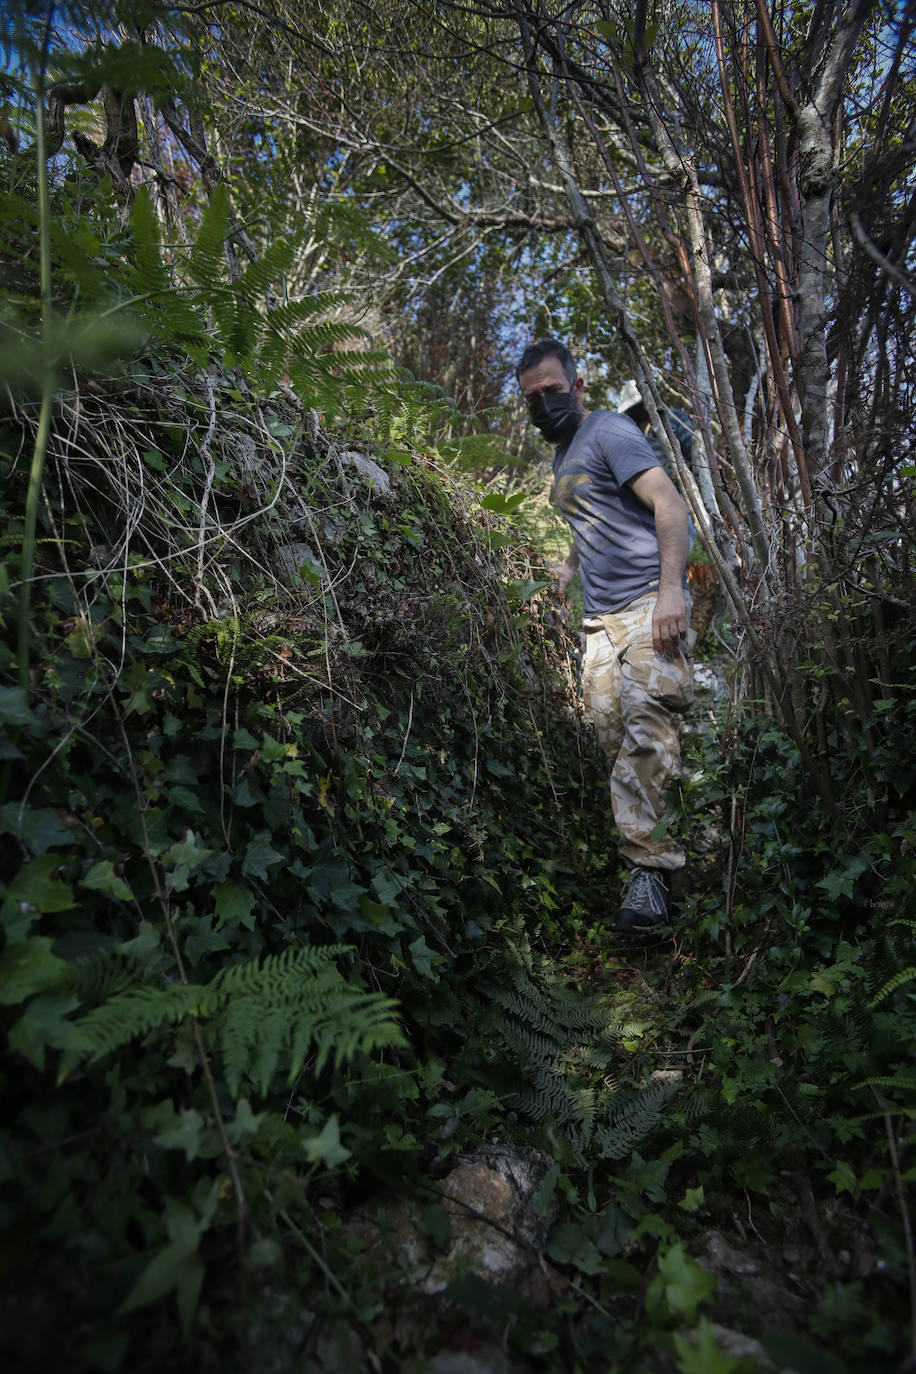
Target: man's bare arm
565	572
669	619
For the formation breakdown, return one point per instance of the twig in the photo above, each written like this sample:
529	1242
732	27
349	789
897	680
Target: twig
208	487
406	733
242	1211
904	1214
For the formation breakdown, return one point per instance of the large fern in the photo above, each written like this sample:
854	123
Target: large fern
539	1043
251	1013
238	317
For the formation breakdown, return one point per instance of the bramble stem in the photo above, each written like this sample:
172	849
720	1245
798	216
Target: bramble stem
48	386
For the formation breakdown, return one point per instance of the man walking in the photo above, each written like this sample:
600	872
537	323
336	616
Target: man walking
630	540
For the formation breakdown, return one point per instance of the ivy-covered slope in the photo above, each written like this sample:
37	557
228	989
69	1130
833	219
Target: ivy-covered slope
297	755
303	854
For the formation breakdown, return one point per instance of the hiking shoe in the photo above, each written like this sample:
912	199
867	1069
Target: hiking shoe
644	907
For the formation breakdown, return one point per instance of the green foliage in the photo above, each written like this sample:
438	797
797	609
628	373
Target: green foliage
244	813
288	1004
300	832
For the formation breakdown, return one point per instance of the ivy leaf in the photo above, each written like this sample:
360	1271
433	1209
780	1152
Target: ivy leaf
185	1136
139	682
14	709
615	1231
272	750
524	590
503	505
265	1252
35	827
260	857
326	1148
436	1223
172	1270
145	941
843	1178
840	882
543	1197
795	1352
244	739
685	1282
29	968
569	1244
182	859
42	1026
692	1200
233	903
246	1122
379	917
202	940
422	957
387	887
703	1356
102	878
32	892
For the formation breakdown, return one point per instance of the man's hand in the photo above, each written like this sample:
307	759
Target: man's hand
669	622
565	572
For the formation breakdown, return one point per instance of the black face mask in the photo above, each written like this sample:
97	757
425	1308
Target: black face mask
556	416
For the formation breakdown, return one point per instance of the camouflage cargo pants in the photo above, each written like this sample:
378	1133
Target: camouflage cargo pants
633	696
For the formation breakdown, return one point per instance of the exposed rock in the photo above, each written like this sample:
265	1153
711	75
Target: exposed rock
755	1291
291	558
737	1346
725	1259
485	1360
338	1350
492	1226
375	477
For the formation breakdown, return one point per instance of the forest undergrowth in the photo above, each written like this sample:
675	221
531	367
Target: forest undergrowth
308	888
308	877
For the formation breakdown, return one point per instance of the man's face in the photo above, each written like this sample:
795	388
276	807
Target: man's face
547	378
554	406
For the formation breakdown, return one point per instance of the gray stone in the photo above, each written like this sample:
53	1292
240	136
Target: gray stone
484	1360
290	558
737	1346
725	1259
494	1229
375	477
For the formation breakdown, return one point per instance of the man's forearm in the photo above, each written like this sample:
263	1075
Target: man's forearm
669	618
673	545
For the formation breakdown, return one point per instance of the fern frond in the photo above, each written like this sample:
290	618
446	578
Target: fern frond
600	1053
905	1081
292	1001
258	1012
129	1014
526	1046
277	978
206	262
548	1095
864	1117
148	273
632	1117
103	975
906	975
261	274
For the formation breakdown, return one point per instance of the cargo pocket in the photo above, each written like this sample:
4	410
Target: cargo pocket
669	681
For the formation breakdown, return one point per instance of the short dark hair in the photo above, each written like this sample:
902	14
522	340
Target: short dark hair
547	348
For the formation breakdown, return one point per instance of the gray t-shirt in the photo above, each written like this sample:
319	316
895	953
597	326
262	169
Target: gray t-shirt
613	531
